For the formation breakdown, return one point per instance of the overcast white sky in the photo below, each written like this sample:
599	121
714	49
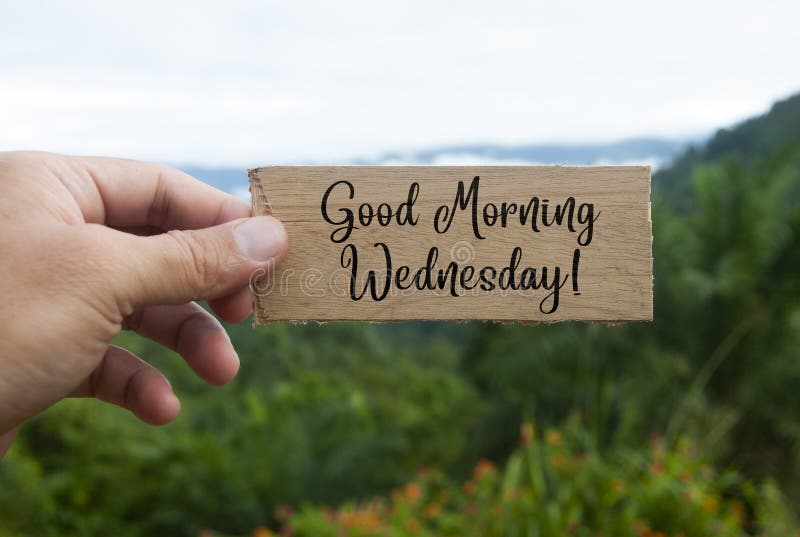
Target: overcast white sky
247	83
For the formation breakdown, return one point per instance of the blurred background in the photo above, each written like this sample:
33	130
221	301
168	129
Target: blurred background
688	425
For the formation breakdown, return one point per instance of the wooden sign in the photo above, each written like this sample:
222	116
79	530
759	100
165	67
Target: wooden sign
505	243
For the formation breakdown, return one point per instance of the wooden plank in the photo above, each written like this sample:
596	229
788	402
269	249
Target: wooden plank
505	243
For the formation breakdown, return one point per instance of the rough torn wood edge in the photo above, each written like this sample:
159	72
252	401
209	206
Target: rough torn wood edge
259	199
259	207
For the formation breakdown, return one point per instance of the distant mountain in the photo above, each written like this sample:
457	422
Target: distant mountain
651	151
229	179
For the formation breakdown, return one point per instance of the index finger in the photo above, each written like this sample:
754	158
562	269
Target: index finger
131	193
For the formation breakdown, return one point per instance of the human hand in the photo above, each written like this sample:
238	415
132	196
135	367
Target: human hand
80	261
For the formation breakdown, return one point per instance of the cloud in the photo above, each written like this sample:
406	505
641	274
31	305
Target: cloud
256	82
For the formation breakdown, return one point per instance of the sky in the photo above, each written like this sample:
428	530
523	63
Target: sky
252	83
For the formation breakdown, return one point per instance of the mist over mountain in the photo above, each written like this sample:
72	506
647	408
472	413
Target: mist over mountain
652	151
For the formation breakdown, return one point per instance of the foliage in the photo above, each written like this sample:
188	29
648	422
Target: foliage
343	412
560	485
371	413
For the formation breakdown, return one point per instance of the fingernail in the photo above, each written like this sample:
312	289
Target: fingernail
261	238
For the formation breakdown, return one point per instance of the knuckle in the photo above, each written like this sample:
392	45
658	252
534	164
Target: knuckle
13	162
200	260
158	214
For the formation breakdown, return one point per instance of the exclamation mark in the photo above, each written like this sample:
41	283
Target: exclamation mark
576	259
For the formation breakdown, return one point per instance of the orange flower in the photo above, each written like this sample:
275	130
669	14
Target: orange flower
642	529
657	468
470	487
412	491
366	520
526	433
262	531
432	510
710	504
559	461
283	512
483	468
412	525
554	438
657	444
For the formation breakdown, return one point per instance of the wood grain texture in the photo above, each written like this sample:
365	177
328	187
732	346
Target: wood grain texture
611	230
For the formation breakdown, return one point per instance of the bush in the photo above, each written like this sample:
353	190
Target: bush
559	485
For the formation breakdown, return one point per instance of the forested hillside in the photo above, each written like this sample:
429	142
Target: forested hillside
702	405
757	140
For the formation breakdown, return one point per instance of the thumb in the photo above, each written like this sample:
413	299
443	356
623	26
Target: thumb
180	266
